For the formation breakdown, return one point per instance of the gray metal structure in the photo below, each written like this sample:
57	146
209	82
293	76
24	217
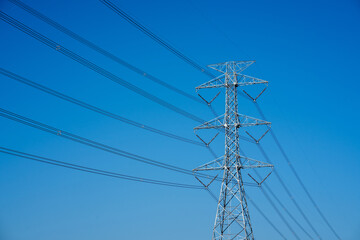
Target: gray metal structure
232	221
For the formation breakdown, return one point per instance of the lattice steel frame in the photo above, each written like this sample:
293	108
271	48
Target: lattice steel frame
232	221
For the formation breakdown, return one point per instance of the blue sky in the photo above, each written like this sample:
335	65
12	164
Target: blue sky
307	50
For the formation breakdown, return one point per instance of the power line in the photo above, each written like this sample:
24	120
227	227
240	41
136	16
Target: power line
266	218
279	213
73	137
183	114
89	64
94	170
115	175
102	51
61	133
149	33
297	176
105	53
92	66
284	208
29	31
159	40
6	18
93	108
279	202
94	144
289	194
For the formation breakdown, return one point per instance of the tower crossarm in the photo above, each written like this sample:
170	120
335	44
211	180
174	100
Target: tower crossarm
246	121
217	82
244	80
215	123
217	164
245	163
238	80
236	66
242	121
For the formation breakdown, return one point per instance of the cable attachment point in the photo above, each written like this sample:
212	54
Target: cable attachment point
254	99
205	185
208	103
207	144
258	140
259	183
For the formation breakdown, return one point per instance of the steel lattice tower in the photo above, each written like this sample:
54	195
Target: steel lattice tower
232	218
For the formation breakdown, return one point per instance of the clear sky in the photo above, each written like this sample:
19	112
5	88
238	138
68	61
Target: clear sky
307	50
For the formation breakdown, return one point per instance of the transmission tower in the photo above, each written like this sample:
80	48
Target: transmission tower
232	221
